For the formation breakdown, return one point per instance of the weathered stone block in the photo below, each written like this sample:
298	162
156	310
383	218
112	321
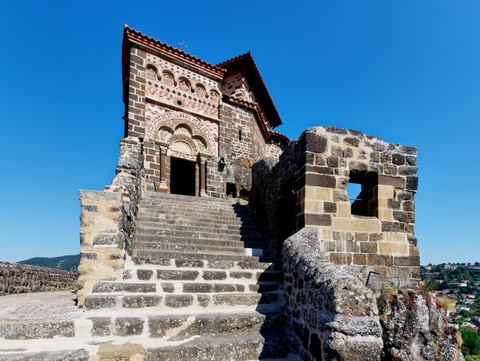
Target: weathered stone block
144	275
355	142
320	180
407	170
89	208
107	240
317	219
214	275
360	259
188	263
412	183
330	207
338	258
314	143
88	255
140	301
368	247
168	287
379	260
100	326
178	301
159	325
177	275
395	181
361	237
410	261
203	300
246	275
97	302
398	159
128	326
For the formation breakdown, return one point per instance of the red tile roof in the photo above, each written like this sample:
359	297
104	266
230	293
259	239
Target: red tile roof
254	79
279	136
132	34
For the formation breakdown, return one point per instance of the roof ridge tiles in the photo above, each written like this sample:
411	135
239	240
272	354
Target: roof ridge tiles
180	53
279	135
248	57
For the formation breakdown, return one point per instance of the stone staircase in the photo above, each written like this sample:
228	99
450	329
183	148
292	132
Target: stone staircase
195	286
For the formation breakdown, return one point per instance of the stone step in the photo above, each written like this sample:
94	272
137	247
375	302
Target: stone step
236	224
191	234
198	216
36	329
141	256
142	225
197	207
62	355
177	198
250	263
151	242
180	247
182	287
200	302
205	202
166	332
202	275
244	346
178	326
193	220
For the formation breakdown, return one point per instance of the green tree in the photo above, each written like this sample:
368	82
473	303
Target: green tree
471	343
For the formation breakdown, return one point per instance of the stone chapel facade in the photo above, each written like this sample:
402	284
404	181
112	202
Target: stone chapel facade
202	125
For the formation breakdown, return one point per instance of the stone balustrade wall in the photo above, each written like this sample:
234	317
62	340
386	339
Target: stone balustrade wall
334	316
21	278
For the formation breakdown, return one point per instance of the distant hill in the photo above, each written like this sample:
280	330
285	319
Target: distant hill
65	263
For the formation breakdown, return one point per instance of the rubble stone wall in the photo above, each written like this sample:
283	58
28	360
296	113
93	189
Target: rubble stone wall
308	187
21	278
415	327
334	316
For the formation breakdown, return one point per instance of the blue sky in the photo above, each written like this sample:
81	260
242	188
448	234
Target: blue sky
407	72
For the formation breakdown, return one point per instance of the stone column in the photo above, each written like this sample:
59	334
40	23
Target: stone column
202	162
197	178
163	174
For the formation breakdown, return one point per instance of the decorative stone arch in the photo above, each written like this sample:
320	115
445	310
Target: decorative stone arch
183	146
182	130
214	96
168	78
184	85
152	72
200	91
184	151
162	127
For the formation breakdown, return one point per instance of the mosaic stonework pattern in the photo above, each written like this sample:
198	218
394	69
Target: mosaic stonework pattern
171	126
174	85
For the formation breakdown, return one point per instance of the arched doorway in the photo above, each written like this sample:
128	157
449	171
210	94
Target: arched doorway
184	149
182	176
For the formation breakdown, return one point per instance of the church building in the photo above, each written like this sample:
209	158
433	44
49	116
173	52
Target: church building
202	125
